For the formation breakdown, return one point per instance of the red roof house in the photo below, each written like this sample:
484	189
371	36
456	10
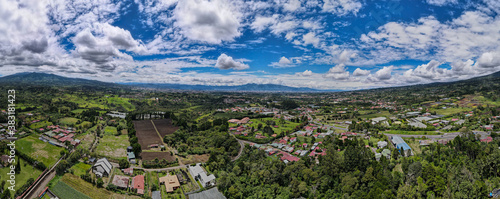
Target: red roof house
138	184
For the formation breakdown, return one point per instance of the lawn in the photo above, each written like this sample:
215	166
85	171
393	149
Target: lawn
27	172
39	150
68	121
114	147
41	124
80	168
110	130
91	191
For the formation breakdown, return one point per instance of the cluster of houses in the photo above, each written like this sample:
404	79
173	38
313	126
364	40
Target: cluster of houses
284	148
58	136
103	168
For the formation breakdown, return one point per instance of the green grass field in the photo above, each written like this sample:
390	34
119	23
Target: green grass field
63	190
27	172
41	124
114	147
78	111
450	111
80	168
118	101
68	121
39	150
374	115
85	124
110	130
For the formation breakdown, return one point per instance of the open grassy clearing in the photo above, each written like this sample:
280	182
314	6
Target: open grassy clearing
374	115
110	130
114	147
281	128
81	168
68	121
120	102
39	150
450	111
78	111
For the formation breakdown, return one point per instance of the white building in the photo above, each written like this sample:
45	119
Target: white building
198	173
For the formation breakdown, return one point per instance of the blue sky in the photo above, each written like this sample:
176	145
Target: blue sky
322	44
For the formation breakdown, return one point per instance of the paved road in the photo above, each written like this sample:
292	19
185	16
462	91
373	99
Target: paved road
158	169
242	146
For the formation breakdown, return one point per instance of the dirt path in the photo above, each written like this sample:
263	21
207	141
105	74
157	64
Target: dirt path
159	135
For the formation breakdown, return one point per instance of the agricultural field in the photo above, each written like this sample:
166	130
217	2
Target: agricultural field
146	134
39	150
63	190
114	147
68	121
165	127
90	190
147	156
27	172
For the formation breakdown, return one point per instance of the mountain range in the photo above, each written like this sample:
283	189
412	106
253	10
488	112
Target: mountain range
44	79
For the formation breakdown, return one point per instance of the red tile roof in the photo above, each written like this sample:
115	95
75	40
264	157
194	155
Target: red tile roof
138	183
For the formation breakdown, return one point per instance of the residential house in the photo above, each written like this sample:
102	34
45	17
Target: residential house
171	182
138	184
121	181
198	173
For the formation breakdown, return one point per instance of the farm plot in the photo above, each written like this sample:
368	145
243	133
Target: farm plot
147	156
146	134
165	127
62	190
90	190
